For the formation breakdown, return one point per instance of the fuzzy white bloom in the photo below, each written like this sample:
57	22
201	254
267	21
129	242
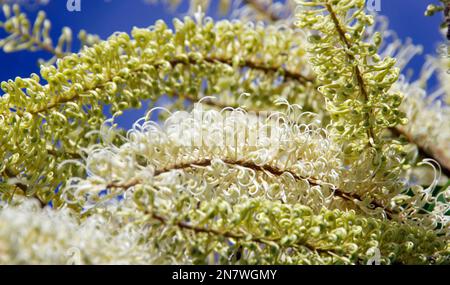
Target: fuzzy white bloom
30	235
429	119
428	116
207	153
440	66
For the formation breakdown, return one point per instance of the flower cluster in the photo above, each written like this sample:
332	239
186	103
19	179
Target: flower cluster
228	153
294	147
44	124
355	80
31	235
173	182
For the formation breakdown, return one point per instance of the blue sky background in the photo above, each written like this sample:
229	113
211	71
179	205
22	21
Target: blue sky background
103	17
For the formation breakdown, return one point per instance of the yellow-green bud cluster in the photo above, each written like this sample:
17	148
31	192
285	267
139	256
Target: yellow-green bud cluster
43	124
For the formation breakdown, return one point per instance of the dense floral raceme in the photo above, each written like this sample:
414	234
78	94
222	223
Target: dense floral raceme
427	115
167	230
226	153
241	155
290	137
249	199
53	121
31	235
354	79
356	83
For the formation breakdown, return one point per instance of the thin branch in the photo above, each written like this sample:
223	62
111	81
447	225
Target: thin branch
431	151
428	151
55	152
288	75
10	174
261	9
251	165
230	235
358	73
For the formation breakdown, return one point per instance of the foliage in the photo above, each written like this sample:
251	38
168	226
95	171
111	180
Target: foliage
282	145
